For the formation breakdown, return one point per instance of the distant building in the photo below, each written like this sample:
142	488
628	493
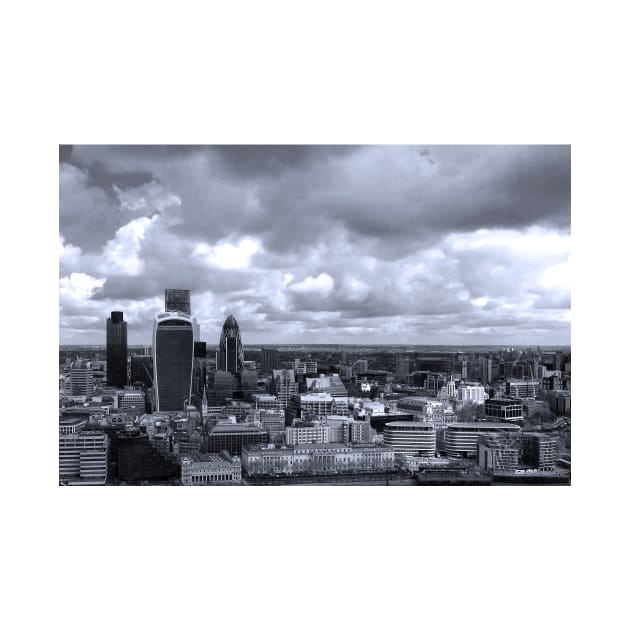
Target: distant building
471	394
485	368
283	385
116	337
402	366
540	451
230	354
504	409
131	398
210	469
272	421
461	438
270	360
560	402
142	370
522	388
83	457
330	384
267	402
81	378
410	438
177	300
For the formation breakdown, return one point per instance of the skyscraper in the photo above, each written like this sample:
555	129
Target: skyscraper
270	360
173	355
177	300
230	354
116	350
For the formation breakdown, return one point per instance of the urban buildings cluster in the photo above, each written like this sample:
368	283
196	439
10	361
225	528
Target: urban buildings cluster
183	411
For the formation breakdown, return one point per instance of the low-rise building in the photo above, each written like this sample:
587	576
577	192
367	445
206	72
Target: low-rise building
504	409
499	452
461	438
210	469
540	451
411	438
313	459
83	458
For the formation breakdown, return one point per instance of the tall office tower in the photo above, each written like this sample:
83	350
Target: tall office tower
177	300
464	369
485	366
230	354
196	329
142	370
402	367
283	385
116	350
199	368
173	352
270	360
81	378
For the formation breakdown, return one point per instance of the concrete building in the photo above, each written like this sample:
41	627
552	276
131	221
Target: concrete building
461	438
307	433
524	388
317	459
283	385
411	438
81	378
320	404
210	469
272	421
330	384
485	370
504	409
560	402
471	394
540	451
83	458
131	398
232	437
268	402
499	452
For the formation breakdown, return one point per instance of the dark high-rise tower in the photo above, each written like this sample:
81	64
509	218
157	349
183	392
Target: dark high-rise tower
230	354
270	360
177	300
116	350
173	352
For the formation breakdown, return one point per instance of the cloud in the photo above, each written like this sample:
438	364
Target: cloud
417	244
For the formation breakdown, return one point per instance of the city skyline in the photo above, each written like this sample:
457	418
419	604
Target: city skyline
398	245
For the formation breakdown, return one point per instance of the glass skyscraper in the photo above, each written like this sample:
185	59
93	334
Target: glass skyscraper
116	350
173	355
230	354
177	300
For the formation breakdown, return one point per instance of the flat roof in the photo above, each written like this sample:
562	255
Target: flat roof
482	425
409	425
235	428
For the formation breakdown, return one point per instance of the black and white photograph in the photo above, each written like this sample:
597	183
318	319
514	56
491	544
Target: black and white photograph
315	315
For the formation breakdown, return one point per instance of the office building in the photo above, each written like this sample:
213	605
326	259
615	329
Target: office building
499	452
267	402
461	438
471	394
317	459
523	388
230	353
81	378
560	402
248	383
173	354
307	433
232	437
210	469
131	398
504	409
540	451
272	421
485	369
326	384
177	301
116	333
402	367
142	370
270	360
283	385
410	438
83	458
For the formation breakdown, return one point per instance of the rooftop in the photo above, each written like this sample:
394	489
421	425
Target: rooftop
483	425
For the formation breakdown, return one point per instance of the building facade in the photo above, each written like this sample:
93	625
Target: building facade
411	438
230	354
83	458
173	355
461	438
116	333
210	469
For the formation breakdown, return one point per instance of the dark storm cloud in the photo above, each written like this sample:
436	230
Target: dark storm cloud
265	161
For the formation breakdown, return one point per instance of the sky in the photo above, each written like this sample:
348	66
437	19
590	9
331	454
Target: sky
319	244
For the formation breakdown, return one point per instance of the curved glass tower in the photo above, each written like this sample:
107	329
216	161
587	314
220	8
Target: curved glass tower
173	355
230	355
